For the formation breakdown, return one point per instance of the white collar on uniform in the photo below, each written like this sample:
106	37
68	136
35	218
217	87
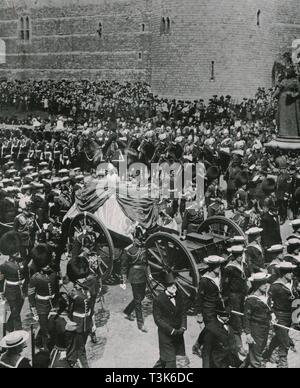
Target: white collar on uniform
216	281
288	286
256	245
262	298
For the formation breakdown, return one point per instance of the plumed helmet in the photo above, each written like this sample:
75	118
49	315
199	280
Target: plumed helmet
41	255
78	268
10	243
268	185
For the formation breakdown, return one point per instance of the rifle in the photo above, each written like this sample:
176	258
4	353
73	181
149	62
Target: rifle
274	324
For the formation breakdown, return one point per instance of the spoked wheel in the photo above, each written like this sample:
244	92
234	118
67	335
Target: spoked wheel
166	253
88	233
221	230
221	227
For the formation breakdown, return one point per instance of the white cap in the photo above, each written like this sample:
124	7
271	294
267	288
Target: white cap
259	277
254	231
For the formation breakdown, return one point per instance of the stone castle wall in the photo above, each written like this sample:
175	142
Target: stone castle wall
223	35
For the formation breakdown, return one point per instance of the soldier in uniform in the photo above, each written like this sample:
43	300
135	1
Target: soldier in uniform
9	207
209	299
23	225
282	293
257	320
235	290
81	309
134	268
254	252
170	317
14	344
43	292
61	330
39	204
12	275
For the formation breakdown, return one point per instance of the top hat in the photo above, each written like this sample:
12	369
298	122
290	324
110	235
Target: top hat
169	279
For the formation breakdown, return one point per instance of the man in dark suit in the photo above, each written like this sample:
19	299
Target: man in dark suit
271	227
220	338
170	317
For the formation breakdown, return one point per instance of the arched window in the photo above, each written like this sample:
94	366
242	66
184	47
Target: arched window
163	26
100	30
168	26
22	28
27	32
143	27
2	52
258	16
140	56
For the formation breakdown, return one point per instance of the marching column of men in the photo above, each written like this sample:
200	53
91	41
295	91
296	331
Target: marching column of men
241	297
246	294
66	318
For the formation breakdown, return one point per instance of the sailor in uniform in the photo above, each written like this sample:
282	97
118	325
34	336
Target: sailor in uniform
209	299
276	256
257	320
282	294
12	276
293	255
254	252
14	344
235	290
296	229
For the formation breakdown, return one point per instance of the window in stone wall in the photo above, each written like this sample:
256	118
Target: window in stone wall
258	18
21	28
163	26
28	30
143	27
100	30
212	75
140	56
168	29
25	29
